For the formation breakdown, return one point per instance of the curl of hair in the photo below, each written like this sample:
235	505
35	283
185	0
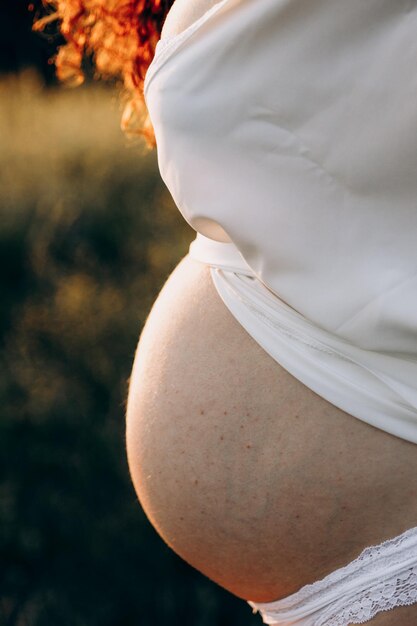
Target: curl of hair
120	36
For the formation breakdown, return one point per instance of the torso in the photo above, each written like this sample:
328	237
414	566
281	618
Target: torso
247	474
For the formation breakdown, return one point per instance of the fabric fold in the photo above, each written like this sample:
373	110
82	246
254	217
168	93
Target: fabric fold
289	125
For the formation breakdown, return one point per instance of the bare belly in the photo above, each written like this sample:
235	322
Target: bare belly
247	474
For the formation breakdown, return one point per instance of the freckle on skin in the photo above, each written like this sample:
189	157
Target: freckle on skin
221	437
202	412
248	445
196	482
224	412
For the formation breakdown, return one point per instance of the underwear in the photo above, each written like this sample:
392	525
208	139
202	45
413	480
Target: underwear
381	578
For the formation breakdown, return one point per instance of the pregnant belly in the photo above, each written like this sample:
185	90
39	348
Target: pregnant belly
247	474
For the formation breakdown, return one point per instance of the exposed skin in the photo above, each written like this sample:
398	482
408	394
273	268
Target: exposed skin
248	475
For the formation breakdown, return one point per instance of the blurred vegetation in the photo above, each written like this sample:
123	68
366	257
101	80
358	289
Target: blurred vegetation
88	235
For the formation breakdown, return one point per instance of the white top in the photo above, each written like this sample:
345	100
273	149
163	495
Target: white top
291	126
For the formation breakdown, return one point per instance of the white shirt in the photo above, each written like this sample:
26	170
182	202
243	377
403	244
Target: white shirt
289	129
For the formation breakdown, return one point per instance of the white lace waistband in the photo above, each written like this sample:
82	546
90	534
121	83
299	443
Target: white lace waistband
382	577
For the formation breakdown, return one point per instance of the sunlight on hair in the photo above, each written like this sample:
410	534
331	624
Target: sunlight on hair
120	37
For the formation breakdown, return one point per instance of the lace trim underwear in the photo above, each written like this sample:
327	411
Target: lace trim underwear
382	577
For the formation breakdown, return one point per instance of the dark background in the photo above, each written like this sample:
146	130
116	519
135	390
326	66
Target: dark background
88	235
19	46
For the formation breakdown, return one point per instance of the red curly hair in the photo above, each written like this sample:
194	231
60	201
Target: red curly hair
121	36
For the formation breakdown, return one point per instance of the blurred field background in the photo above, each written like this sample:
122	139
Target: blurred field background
88	235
